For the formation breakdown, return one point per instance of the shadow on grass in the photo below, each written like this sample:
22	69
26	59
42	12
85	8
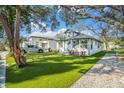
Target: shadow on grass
37	69
42	67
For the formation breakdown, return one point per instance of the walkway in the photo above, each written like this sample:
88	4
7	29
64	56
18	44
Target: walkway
107	73
2	73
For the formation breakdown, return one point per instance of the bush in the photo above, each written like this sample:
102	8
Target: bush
9	59
55	51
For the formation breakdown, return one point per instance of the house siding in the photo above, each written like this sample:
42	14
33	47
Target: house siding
95	47
40	42
52	44
90	46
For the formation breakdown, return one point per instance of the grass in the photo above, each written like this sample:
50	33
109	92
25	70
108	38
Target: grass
120	51
50	70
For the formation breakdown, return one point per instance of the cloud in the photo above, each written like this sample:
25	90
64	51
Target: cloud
48	34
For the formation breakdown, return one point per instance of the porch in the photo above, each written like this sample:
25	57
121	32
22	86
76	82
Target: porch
76	47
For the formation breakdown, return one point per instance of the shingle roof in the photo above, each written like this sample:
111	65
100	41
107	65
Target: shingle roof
49	34
85	36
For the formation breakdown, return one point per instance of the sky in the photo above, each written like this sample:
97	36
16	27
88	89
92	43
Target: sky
78	26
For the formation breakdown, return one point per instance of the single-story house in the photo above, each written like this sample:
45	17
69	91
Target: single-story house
75	41
66	41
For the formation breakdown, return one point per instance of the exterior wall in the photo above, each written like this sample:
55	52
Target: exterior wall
95	47
38	41
63	47
53	44
43	42
88	50
34	41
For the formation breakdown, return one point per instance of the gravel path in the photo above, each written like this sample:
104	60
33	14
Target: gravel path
107	73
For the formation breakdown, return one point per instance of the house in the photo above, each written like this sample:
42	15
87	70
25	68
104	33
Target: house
72	40
43	40
66	41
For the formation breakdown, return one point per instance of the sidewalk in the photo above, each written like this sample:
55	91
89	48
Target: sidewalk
107	73
2	72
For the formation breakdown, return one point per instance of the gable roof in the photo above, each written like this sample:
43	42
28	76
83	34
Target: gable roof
86	37
52	35
79	35
49	34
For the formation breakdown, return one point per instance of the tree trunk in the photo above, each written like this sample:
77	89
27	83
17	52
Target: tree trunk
16	47
19	58
13	37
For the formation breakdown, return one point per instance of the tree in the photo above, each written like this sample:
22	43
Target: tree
13	18
113	16
102	31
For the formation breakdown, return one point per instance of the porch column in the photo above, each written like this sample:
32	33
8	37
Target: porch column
48	43
63	45
79	45
72	44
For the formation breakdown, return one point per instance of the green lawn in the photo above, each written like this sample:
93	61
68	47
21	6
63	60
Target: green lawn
50	70
119	51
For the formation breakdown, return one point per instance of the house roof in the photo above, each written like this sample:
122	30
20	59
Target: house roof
78	36
49	34
52	35
86	37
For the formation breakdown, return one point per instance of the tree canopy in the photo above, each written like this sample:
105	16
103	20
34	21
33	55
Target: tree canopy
106	19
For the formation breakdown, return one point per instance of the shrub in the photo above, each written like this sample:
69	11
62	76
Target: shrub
9	59
55	51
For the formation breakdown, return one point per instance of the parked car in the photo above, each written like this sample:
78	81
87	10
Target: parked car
32	48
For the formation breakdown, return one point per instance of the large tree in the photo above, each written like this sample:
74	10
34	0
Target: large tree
13	18
112	16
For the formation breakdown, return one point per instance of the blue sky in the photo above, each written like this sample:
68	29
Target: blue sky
79	26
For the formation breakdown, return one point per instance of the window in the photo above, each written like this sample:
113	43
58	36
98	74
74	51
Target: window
83	43
91	44
98	45
75	43
30	46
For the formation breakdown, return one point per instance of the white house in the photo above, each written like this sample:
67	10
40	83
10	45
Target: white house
82	43
66	41
43	40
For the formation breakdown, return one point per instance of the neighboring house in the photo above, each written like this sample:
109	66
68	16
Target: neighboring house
73	40
41	40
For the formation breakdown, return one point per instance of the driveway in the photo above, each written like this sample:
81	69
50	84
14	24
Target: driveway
107	73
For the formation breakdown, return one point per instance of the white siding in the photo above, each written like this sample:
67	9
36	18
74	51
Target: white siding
95	48
53	44
40	41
